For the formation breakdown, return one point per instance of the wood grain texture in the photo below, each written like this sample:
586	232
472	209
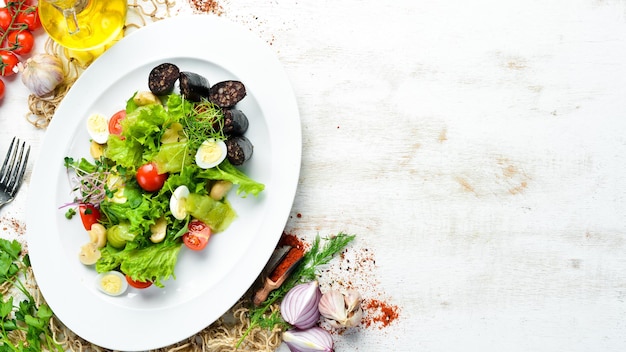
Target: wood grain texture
477	147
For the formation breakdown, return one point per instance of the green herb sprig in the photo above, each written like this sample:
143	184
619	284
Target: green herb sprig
31	319
306	271
204	122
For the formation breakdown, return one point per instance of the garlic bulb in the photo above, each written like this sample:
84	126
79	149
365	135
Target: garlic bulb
341	310
42	73
300	305
309	340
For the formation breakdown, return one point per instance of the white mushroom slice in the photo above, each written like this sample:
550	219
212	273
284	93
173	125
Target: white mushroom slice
89	254
98	235
158	230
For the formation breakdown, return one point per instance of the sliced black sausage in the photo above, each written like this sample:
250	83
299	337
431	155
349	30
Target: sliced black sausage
162	78
193	86
226	94
239	149
235	122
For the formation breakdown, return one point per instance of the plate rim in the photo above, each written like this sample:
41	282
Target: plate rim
289	165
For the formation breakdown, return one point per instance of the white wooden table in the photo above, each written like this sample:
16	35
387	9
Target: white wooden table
477	148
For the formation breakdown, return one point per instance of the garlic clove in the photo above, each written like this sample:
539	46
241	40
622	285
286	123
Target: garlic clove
300	305
341	310
353	300
332	306
309	340
354	317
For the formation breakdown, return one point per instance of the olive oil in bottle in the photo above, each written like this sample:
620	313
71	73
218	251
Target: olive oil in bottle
92	25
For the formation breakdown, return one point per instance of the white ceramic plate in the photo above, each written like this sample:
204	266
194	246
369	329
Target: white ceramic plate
207	282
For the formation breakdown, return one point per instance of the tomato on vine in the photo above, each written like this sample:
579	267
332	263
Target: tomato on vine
21	42
30	17
1	89
7	63
6	17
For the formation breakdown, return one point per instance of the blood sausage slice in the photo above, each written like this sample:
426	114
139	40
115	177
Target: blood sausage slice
193	86
239	149
162	78
226	94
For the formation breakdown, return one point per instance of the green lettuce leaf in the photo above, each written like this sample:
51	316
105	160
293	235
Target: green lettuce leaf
171	157
154	263
227	171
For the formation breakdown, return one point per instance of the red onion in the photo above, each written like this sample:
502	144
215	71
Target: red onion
309	340
300	305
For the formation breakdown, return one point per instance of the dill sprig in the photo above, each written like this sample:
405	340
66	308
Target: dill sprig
305	271
205	121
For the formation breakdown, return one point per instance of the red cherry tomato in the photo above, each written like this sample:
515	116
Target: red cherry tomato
149	178
115	126
8	63
198	236
89	214
21	42
1	89
138	284
5	18
29	16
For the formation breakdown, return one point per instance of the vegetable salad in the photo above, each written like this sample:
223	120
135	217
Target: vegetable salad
158	181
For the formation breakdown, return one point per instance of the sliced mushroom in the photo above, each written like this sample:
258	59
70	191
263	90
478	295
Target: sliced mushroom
220	189
158	230
98	235
89	254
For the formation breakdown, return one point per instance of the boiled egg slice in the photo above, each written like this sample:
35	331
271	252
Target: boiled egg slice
211	153
112	283
98	128
178	202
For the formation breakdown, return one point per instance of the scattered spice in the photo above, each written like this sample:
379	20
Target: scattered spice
13	228
207	6
379	313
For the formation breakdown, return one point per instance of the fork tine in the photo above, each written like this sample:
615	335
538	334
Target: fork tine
19	170
5	172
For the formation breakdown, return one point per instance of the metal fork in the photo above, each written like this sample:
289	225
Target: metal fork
12	172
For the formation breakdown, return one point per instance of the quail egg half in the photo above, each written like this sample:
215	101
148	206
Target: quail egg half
178	202
211	153
112	283
98	128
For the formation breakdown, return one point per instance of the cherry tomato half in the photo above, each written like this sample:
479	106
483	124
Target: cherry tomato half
7	63
29	16
115	126
22	41
198	236
138	284
1	89
149	178
89	214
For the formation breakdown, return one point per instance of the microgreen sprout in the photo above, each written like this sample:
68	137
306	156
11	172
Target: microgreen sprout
204	122
91	180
